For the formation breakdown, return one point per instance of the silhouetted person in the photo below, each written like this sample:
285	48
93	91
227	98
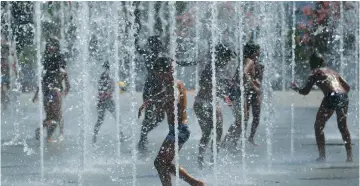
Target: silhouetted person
105	99
203	105
165	99
335	90
155	50
252	80
52	88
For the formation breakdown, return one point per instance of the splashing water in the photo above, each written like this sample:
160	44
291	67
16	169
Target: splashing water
131	54
84	57
292	78
242	89
214	30
39	70
172	11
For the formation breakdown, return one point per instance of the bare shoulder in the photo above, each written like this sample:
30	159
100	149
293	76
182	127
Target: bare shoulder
63	72
248	61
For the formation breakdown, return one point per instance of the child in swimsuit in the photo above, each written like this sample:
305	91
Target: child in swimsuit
335	90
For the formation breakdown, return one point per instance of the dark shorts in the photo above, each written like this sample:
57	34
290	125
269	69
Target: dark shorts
51	96
104	104
184	134
336	101
5	80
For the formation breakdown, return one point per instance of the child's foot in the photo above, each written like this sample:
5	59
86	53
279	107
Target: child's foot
251	141
51	140
61	137
201	163
123	137
94	139
321	159
198	183
37	133
142	148
349	159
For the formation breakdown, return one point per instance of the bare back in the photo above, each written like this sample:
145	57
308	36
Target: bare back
329	81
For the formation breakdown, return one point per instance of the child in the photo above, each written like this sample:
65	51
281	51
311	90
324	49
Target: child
163	161
335	90
105	100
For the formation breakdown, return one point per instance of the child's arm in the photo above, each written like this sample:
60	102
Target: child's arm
67	84
249	64
186	63
344	84
36	95
307	88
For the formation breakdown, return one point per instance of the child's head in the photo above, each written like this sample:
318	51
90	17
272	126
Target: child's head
163	64
155	43
52	45
316	60
251	50
106	65
223	54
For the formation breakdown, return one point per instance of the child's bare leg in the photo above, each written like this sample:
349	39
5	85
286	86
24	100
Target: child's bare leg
204	141
204	116
61	125
219	128
322	116
246	114
342	125
219	131
100	120
56	115
256	118
60	116
164	166
186	176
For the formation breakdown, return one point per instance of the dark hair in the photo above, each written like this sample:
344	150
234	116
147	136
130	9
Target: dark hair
316	60
250	49
53	41
162	64
155	43
52	61
223	54
224	51
106	65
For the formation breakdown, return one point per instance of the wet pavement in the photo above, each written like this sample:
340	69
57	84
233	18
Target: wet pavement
20	156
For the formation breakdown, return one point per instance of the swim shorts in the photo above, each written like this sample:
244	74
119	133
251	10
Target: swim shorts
336	100
184	134
51	96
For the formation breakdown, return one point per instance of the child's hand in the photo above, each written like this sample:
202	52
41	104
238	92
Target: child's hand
35	99
294	86
143	106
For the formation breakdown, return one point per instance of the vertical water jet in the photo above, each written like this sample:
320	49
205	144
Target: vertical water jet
131	57
341	34
292	76
151	18
239	47
283	38
84	58
116	74
213	80
197	39
172	48
39	74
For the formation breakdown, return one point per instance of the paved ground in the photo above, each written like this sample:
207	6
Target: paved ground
20	159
